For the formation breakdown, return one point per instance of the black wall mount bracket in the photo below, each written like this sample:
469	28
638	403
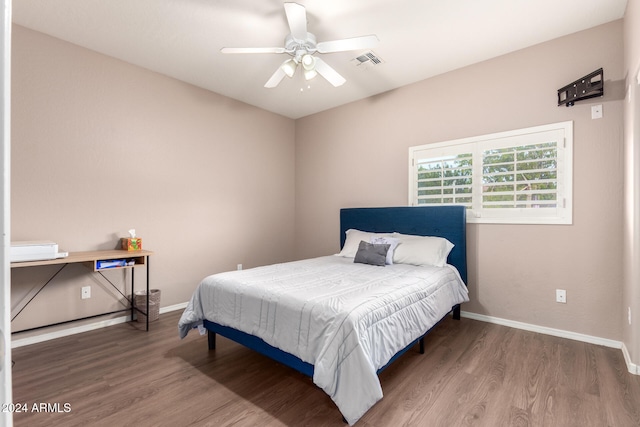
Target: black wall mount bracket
589	86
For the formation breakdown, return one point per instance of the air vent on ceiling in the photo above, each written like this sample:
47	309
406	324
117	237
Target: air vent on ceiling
367	60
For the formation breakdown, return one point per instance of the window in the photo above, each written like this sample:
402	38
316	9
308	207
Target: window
522	176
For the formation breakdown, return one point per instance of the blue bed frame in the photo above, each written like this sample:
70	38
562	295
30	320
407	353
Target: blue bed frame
442	221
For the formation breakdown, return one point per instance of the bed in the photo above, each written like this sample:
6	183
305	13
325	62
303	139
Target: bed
338	321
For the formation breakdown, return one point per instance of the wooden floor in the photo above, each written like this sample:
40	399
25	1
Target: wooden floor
472	374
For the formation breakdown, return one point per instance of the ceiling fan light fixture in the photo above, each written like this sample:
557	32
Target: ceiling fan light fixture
289	67
309	74
308	62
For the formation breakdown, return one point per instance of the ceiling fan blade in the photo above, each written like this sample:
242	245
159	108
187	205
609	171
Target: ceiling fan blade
297	19
355	43
276	78
252	50
329	73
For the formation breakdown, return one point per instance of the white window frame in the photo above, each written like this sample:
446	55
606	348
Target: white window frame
561	132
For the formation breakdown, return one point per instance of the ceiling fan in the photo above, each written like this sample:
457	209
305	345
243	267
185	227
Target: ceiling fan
302	47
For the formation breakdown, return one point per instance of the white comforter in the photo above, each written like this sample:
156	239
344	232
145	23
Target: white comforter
346	319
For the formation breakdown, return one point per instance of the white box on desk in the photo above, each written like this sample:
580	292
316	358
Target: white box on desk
34	251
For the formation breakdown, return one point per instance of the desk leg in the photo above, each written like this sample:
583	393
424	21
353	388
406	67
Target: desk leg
148	293
133	295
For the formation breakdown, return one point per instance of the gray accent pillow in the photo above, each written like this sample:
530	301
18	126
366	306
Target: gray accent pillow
370	253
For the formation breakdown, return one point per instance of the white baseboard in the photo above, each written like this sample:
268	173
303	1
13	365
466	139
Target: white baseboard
174	307
631	367
19	342
543	330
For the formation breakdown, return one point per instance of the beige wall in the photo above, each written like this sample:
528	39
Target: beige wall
357	155
100	146
631	288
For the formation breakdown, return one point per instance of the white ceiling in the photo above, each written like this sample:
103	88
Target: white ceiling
418	39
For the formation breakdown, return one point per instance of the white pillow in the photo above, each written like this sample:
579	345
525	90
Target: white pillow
353	239
422	250
382	240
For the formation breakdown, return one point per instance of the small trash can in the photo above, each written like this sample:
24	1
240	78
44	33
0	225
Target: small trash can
140	302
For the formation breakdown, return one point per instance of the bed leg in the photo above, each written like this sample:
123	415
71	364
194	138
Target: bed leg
456	312
422	345
211	337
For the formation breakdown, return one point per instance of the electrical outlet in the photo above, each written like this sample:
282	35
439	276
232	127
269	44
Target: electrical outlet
561	296
239	266
86	292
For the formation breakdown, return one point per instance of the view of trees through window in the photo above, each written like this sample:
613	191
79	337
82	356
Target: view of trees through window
446	180
520	177
512	177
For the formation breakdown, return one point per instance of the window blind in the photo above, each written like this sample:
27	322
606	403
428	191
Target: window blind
520	176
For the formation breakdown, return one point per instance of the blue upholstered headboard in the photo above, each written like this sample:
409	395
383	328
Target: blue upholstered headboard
441	221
